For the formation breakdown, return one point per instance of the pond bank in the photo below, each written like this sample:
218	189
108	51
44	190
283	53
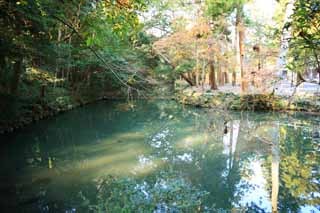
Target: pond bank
39	111
41	95
58	103
226	100
34	111
252	102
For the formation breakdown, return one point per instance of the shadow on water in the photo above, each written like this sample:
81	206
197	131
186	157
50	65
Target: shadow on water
176	158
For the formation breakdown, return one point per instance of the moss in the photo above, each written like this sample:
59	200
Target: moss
251	102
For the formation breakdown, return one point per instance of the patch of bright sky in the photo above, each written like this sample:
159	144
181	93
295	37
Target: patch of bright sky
259	10
262	10
258	194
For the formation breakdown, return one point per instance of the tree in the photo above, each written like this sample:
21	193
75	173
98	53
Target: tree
304	43
178	50
74	39
220	8
240	31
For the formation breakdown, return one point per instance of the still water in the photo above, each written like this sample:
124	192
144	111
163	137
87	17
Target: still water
168	154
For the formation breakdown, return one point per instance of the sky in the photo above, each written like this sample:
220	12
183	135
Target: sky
262	9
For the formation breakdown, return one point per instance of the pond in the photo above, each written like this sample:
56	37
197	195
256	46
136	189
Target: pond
159	156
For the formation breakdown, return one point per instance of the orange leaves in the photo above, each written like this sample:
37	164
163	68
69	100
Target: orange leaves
187	42
201	29
123	3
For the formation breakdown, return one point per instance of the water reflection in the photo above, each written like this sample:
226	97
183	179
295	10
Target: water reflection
259	162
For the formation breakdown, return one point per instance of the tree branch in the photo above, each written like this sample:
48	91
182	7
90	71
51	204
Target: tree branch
92	50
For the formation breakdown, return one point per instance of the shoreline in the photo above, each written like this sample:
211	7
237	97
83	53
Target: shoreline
46	112
220	100
249	102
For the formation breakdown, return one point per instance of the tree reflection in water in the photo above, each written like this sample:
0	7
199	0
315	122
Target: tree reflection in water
177	158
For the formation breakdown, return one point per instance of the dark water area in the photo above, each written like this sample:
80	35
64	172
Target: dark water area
247	162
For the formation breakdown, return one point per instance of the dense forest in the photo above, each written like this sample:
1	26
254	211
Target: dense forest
173	105
59	54
56	54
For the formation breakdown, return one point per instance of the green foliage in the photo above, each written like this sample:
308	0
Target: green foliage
297	168
305	42
83	48
128	195
185	66
218	8
77	35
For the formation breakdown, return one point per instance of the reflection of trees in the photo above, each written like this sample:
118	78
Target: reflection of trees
298	169
275	152
208	166
220	160
217	171
196	148
294	177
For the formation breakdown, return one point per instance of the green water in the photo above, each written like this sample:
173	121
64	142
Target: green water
238	161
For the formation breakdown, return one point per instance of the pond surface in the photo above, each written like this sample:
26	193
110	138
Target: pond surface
221	161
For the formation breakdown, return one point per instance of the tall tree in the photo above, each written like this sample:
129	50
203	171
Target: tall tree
219	8
240	31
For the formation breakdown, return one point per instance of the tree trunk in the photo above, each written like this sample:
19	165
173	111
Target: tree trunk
197	77
197	65
240	29
300	78
203	74
58	60
275	149
69	57
42	92
318	63
212	76
234	77
284	42
187	79
17	70
226	77
2	65
220	74
230	144
233	150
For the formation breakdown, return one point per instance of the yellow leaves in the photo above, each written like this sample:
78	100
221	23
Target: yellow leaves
36	74
131	80
117	26
124	20
22	2
283	131
50	165
296	175
181	55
